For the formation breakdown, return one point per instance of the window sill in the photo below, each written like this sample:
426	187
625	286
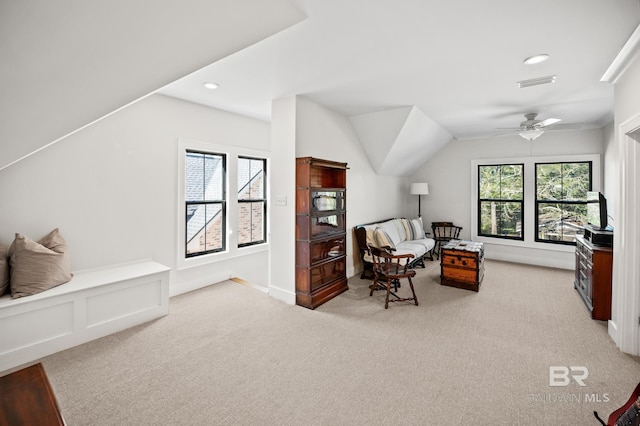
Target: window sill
527	244
207	259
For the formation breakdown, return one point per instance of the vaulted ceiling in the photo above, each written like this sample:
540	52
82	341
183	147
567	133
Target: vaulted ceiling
419	72
448	69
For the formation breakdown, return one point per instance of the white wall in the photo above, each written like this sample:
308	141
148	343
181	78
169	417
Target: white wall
111	188
283	196
449	176
611	170
323	133
623	327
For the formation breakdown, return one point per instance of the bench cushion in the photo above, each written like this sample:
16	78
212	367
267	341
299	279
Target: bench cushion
427	243
418	250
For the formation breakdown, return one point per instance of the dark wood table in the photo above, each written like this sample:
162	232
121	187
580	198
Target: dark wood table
26	398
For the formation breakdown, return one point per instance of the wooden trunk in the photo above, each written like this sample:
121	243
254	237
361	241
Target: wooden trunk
462	264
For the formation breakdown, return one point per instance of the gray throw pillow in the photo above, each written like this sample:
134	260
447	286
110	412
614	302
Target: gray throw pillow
4	269
38	266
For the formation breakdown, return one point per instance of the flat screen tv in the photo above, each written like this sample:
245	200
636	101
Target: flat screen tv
596	210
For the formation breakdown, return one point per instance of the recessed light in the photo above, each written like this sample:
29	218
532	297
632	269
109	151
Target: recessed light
536	81
536	59
210	85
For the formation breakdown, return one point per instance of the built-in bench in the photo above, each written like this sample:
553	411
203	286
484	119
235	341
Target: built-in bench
95	303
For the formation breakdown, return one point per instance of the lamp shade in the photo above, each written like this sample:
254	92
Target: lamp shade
531	134
420	188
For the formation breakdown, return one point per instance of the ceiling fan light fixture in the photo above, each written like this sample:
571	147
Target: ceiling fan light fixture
531	134
536	81
536	59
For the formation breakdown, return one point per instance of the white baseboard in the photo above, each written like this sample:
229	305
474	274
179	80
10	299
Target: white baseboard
286	296
612	328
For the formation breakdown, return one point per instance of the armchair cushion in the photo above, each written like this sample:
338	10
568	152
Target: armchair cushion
383	238
417	229
394	230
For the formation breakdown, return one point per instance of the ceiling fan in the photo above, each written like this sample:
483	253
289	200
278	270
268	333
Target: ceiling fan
531	128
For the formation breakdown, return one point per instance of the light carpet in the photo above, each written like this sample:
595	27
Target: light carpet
229	354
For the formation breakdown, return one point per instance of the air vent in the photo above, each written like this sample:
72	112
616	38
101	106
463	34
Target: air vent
536	81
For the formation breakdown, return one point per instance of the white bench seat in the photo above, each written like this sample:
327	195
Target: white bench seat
93	304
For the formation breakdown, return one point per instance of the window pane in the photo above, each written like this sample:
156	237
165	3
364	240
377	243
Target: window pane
244	172
250	179
511	182
489	182
195	224
575	181
500	218
549	181
213	177
213	237
501	182
204	177
257	179
199	218
250	222
194	179
561	222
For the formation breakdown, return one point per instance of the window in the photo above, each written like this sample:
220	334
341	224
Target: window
252	204
500	201
205	203
561	200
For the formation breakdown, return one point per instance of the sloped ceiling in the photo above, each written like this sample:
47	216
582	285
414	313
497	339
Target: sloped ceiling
399	140
67	64
456	62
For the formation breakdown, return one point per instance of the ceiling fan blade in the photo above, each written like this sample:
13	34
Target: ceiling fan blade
566	126
509	128
548	122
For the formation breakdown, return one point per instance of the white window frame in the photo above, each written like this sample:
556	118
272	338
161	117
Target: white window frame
232	250
529	196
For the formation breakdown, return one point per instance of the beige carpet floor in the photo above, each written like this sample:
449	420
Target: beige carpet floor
230	355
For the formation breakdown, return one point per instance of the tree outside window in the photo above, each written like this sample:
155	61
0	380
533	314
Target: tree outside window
500	201
561	200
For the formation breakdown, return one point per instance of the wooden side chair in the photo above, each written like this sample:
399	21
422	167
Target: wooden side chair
442	233
388	270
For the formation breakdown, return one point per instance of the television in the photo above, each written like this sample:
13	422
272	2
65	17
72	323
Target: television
596	210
